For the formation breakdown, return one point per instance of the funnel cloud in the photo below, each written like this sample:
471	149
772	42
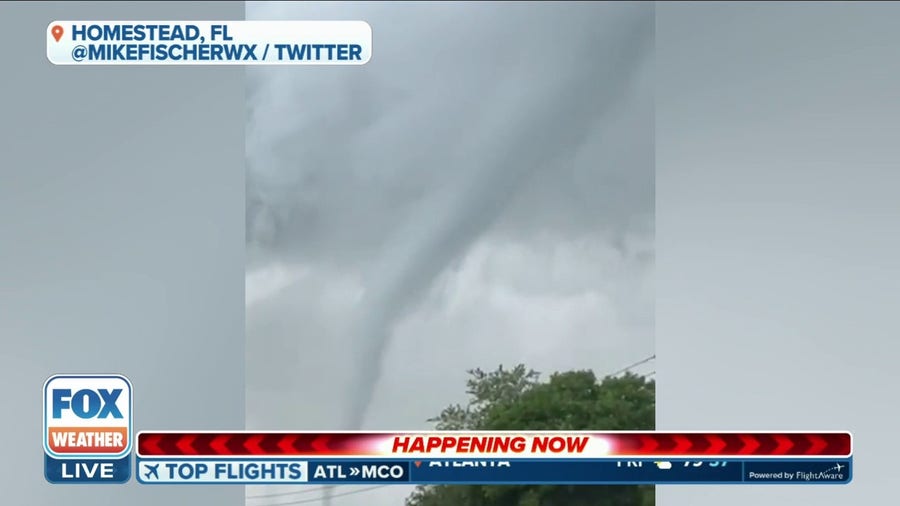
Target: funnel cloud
480	193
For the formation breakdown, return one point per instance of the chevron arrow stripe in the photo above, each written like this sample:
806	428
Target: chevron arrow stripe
185	444
219	444
751	444
784	444
716	444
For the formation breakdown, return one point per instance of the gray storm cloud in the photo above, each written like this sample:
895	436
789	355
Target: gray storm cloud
392	171
535	136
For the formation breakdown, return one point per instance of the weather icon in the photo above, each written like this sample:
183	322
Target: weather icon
663	465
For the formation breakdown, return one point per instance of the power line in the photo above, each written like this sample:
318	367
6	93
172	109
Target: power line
632	366
317	489
318	499
282	494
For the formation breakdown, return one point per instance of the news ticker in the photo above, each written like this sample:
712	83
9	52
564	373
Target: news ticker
209	42
89	438
489	472
497	444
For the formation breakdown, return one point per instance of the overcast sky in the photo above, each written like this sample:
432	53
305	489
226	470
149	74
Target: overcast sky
481	192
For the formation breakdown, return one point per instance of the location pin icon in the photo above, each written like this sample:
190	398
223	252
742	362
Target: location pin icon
57	32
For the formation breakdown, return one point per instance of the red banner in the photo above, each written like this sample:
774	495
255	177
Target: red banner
496	444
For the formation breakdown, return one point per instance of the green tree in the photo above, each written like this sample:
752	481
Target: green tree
516	399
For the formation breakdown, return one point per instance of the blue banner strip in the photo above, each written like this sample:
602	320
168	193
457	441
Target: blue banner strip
301	471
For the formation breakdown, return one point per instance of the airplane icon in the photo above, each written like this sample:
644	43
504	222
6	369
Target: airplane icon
836	468
151	470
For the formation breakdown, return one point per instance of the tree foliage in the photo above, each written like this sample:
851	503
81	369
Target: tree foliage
516	399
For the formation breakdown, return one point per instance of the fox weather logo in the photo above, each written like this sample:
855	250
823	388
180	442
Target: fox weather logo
87	428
